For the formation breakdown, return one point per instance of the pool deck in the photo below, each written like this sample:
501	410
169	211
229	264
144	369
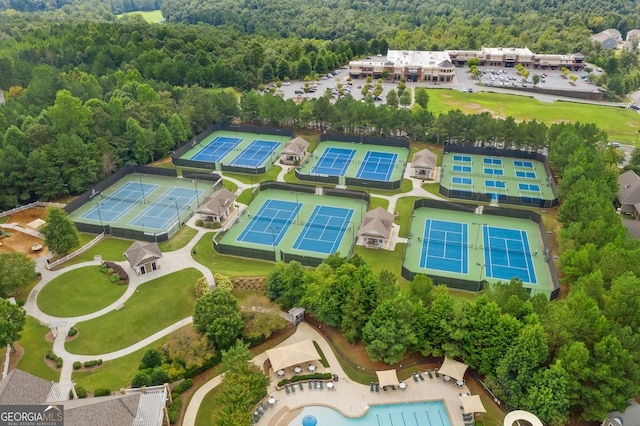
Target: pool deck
350	398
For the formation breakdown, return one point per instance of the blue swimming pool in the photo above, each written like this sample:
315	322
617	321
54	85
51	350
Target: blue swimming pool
432	413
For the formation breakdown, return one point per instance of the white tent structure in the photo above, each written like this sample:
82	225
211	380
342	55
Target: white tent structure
453	368
388	378
294	354
472	404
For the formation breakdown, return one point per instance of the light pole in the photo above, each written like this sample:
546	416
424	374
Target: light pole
100	217
273	240
144	199
296	194
480	225
195	184
482	266
175	201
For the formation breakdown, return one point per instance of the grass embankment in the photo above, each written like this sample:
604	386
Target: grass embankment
228	265
619	123
179	240
78	292
155	305
35	347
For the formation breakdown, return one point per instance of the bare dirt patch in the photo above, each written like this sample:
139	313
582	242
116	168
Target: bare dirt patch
20	242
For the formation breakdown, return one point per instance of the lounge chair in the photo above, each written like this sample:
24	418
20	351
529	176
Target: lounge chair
317	384
310	383
393	387
321	384
470	424
256	418
429	373
415	378
293	388
264	407
420	376
437	374
371	386
300	386
467	417
286	388
384	388
377	386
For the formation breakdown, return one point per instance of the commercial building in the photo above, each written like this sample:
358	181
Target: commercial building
439	66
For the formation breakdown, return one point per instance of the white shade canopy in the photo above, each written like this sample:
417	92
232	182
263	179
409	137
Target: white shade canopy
388	378
294	354
453	368
472	404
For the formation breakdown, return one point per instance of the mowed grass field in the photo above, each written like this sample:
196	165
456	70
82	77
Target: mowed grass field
620	124
151	16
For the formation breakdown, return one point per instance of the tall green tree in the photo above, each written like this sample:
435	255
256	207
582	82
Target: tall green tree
17	271
12	320
217	315
60	234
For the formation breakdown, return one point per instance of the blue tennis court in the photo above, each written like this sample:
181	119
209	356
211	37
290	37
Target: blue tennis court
461	180
490	171
507	254
116	205
492	161
445	246
528	175
528	187
270	223
217	149
255	154
166	209
334	162
462	158
324	230
523	164
463	169
377	166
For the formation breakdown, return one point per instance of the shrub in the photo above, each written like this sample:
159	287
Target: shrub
216	225
151	359
114	278
50	355
199	222
159	376
92	363
104	269
58	362
77	365
81	392
72	332
99	362
187	384
102	392
110	271
140	379
174	410
201	287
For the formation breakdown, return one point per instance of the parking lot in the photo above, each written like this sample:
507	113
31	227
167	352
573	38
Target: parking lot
502	79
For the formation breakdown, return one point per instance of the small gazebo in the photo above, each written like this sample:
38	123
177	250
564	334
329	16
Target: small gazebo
376	228
424	164
218	206
143	257
294	152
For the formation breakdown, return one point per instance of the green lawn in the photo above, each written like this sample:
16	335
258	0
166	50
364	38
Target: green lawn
151	16
381	260
208	409
231	186
114	374
179	240
228	265
433	188
109	248
245	196
404	208
35	347
271	174
621	124
78	292
376	202
155	305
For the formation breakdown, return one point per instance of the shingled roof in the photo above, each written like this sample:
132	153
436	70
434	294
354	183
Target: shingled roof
295	147
140	253
629	192
20	388
217	203
424	159
376	223
110	410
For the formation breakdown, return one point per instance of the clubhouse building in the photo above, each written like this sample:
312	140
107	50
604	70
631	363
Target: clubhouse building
439	66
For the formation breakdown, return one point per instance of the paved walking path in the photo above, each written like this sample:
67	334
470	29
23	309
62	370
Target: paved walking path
172	262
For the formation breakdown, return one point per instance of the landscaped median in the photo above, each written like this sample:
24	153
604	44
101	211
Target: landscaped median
155	305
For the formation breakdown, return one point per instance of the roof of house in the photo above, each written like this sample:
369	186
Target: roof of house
140	253
109	410
633	228
629	192
376	223
601	37
217	203
295	147
633	34
424	158
20	388
629	417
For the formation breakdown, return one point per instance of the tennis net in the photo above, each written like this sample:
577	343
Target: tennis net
139	199
449	243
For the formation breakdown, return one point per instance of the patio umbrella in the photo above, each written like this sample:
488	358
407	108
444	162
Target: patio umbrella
472	404
453	368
